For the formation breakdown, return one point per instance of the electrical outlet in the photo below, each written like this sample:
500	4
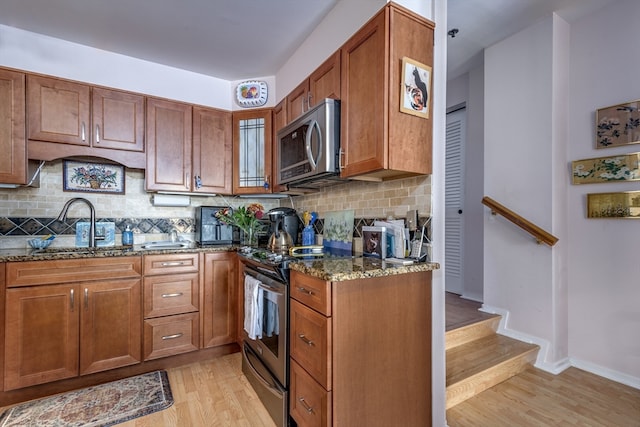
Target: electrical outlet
412	220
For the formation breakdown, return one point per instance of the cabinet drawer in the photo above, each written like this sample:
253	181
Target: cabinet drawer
170	263
166	336
309	403
311	291
310	340
71	270
170	294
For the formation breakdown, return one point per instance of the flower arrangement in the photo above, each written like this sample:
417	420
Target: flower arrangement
97	176
246	218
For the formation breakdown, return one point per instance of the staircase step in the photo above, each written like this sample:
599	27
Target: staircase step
470	332
478	365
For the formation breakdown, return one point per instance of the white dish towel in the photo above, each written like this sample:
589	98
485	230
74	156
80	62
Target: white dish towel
253	307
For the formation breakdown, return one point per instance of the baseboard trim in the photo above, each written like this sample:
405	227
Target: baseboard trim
610	374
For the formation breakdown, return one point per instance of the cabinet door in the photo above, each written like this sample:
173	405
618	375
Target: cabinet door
168	145
41	335
212	151
364	73
111	323
13	162
58	111
220	299
298	101
118	120
324	82
252	136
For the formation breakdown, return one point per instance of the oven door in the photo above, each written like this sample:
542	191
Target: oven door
271	345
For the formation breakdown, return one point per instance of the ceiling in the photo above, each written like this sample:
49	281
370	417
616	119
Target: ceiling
238	39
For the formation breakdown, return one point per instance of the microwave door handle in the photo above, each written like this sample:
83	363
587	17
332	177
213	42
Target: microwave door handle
313	125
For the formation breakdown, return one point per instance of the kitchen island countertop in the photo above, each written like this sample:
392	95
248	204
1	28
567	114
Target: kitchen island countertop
341	269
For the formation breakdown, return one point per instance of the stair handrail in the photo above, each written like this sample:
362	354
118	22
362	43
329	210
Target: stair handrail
538	233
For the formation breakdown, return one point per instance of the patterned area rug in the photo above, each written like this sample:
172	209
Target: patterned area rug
101	405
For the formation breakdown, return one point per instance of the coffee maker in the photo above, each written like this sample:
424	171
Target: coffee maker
288	218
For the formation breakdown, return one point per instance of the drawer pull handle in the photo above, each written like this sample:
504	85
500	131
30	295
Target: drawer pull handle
304	403
306	340
72	296
172	264
177	294
171	337
306	291
86	298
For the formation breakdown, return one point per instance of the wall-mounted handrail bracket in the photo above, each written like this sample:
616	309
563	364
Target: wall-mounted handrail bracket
538	233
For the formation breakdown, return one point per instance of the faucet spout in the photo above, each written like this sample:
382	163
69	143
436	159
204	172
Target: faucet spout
92	224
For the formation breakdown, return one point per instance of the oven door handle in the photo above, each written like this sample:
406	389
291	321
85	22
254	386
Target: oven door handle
270	289
272	386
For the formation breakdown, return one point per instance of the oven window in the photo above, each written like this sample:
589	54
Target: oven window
270	321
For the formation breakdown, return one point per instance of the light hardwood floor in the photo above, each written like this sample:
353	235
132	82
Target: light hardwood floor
212	393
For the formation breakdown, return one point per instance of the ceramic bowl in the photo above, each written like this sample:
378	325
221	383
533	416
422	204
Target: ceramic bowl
39	243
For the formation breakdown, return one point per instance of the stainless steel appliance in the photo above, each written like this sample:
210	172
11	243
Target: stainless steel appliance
284	219
210	230
265	360
308	149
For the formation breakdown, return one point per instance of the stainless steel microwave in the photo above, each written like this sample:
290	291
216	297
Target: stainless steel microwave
308	149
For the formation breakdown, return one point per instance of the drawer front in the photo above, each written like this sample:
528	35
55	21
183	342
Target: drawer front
166	336
311	291
170	264
309	403
171	294
309	340
32	273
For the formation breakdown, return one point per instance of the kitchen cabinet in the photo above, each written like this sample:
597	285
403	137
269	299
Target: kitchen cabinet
66	118
279	121
323	83
67	318
379	141
169	134
171	304
220	299
13	145
252	151
350	362
188	149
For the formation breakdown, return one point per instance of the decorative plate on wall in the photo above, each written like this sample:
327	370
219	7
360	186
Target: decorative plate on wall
252	93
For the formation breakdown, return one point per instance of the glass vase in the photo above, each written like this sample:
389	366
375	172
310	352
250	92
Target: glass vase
249	237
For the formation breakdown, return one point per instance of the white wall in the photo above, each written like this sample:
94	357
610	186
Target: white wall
604	295
518	174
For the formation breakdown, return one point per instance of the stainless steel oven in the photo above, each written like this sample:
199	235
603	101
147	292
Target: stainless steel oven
265	359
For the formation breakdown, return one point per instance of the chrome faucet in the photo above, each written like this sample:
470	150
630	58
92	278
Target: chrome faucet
92	225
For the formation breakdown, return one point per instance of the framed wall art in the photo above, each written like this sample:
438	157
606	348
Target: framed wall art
416	88
606	169
92	177
614	205
618	125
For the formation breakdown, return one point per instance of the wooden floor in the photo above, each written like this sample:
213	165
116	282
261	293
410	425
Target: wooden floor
212	393
536	398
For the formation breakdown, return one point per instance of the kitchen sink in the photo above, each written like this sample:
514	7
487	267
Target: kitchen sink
166	244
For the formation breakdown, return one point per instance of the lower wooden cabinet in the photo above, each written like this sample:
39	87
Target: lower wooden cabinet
166	336
61	331
219	299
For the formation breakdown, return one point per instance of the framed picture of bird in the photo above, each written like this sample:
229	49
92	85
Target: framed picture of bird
618	125
416	88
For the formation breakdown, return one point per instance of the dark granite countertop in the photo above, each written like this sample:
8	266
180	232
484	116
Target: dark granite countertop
7	255
341	269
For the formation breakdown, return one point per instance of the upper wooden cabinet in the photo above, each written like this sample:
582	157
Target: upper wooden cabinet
252	151
83	120
13	162
323	83
188	148
279	121
378	140
212	151
168	145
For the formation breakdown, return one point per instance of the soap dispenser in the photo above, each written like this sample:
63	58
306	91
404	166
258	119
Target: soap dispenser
127	236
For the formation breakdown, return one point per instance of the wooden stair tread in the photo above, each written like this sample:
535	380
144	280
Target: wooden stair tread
469	359
472	331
